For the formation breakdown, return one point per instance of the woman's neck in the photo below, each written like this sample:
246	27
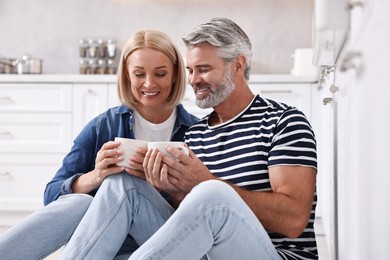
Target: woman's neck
155	116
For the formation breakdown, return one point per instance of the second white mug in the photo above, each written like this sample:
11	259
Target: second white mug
161	146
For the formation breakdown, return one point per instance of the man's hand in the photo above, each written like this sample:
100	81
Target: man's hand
187	171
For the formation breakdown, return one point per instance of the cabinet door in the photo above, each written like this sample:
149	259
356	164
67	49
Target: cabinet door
33	97
113	99
297	95
23	178
35	132
89	100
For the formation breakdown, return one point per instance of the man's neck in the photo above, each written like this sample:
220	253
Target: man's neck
232	106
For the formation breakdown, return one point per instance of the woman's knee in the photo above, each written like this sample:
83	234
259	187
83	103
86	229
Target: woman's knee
77	201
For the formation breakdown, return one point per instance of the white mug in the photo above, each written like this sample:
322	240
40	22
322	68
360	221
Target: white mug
161	146
128	147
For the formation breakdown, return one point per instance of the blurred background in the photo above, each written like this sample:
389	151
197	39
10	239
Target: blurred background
51	29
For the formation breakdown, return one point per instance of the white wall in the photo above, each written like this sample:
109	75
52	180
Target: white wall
50	29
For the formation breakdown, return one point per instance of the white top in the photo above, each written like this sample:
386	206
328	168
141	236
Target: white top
145	130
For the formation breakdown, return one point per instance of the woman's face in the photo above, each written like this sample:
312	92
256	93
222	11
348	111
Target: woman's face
151	74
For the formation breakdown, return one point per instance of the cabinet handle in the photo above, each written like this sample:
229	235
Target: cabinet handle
327	100
5	174
352	60
5	135
91	91
333	88
5	100
352	4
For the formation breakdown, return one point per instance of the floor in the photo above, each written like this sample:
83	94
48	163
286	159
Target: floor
321	243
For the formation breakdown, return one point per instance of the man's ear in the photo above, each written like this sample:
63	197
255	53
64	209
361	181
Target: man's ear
240	64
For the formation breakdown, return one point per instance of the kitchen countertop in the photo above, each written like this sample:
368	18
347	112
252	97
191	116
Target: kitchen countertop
78	78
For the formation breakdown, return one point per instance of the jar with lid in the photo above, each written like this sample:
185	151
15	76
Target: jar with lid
83	47
83	66
101	67
111	48
111	67
92	66
102	46
92	48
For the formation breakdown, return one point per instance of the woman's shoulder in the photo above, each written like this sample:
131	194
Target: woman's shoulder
185	116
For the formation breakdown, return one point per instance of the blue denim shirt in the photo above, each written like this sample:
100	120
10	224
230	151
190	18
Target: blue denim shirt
115	122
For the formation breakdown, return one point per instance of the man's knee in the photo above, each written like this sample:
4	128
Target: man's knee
214	190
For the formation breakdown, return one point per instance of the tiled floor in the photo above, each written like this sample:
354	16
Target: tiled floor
321	242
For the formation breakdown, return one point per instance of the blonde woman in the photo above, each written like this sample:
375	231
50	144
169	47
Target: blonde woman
151	84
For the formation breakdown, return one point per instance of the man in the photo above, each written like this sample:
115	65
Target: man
247	190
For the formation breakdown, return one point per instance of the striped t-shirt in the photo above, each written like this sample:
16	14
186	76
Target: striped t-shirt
266	133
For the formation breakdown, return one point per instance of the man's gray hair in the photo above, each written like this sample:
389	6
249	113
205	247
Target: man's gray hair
227	36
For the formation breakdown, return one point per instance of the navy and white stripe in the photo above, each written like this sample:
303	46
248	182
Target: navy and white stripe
240	151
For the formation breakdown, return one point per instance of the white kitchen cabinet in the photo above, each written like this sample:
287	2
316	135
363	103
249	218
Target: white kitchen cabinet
89	100
113	99
23	178
35	134
30	97
297	95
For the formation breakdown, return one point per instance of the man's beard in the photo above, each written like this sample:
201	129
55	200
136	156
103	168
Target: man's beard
219	92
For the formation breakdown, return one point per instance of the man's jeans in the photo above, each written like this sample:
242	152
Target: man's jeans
46	230
212	221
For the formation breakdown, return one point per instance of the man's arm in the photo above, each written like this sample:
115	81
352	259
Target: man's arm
285	209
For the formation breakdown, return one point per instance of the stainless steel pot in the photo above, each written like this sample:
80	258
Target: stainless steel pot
24	65
6	66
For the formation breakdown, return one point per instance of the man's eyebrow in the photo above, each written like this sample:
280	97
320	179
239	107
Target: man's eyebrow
201	66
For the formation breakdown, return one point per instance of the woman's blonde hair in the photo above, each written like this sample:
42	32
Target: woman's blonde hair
158	41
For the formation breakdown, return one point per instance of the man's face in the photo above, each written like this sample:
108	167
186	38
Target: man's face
209	75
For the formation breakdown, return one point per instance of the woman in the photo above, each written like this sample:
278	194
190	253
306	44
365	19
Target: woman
151	83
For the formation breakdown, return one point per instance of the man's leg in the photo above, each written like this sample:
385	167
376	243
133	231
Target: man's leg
212	220
123	204
46	230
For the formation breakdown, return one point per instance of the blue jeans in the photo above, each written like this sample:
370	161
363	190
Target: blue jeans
45	230
212	221
123	205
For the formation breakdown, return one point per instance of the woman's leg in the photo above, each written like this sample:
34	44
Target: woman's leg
212	220
46	230
123	204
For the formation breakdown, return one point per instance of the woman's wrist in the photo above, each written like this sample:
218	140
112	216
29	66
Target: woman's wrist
87	182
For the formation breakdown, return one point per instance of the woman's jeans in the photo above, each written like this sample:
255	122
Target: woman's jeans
212	221
45	230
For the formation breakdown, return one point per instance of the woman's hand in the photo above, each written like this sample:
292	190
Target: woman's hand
105	165
136	162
